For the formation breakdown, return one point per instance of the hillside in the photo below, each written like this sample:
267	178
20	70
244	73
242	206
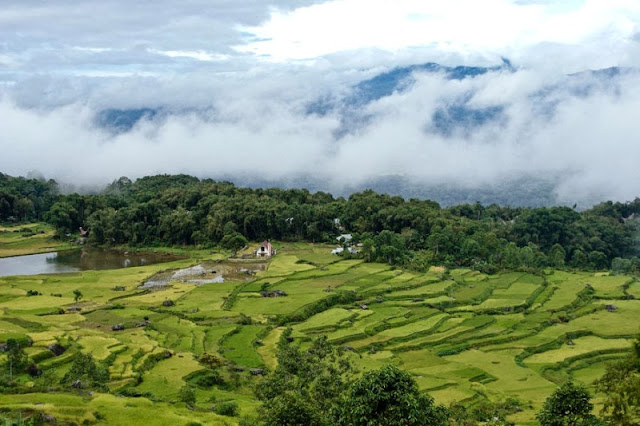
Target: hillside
463	335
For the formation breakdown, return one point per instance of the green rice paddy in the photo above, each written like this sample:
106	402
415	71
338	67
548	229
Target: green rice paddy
464	336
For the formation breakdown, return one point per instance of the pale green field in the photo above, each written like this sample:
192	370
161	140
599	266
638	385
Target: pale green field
12	242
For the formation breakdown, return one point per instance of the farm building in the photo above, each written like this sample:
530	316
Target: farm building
341	249
346	237
265	250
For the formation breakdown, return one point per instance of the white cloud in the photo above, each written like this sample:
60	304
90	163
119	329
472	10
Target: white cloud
236	78
198	55
259	125
461	26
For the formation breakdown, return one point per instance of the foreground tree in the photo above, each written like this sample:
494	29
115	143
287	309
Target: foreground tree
621	385
388	397
306	385
569	405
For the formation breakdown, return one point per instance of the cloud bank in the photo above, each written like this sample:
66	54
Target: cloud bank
581	130
233	83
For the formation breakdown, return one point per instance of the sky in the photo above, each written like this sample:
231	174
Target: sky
235	79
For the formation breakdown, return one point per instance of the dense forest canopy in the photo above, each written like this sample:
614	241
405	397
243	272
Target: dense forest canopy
184	210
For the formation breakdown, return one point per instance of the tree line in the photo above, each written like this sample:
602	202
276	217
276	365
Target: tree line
184	210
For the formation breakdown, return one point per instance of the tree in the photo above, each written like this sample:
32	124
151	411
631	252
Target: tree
388	397
306	385
621	385
569	405
234	242
389	246
291	409
23	208
598	260
621	266
210	360
557	256
64	217
77	295
85	373
17	359
367	249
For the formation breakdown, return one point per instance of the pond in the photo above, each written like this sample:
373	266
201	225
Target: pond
79	260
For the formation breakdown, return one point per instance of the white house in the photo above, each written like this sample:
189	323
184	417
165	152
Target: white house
347	237
265	250
341	249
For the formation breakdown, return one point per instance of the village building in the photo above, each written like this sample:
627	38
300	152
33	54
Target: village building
265	250
346	237
341	249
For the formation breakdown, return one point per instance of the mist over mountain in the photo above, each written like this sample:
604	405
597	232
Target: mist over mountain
449	106
527	103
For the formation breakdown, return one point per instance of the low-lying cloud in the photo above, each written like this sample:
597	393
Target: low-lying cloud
579	131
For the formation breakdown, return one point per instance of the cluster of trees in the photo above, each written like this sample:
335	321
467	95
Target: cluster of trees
183	210
318	386
23	199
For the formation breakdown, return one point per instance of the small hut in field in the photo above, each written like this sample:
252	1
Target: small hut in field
265	250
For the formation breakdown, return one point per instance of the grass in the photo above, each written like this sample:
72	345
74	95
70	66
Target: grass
580	347
239	347
470	337
29	238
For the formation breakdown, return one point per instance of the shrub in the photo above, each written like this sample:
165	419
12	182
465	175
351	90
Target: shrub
227	409
211	378
187	395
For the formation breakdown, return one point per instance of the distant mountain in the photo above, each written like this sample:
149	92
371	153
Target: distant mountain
123	120
455	116
401	78
524	191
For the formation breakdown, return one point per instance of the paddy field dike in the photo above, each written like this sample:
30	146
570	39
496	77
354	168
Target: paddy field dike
463	335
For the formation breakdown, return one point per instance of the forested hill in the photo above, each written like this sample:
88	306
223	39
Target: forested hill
184	210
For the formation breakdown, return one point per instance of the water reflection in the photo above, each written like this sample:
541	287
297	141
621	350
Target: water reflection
79	260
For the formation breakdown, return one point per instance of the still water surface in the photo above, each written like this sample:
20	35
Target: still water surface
78	260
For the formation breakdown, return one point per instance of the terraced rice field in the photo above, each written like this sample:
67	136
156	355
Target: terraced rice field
464	336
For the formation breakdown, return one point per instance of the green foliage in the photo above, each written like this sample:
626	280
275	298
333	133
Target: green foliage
234	242
291	409
306	385
187	395
621	385
17	359
25	199
77	295
182	209
388	397
570	405
229	408
390	247
85	373
210	360
209	379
